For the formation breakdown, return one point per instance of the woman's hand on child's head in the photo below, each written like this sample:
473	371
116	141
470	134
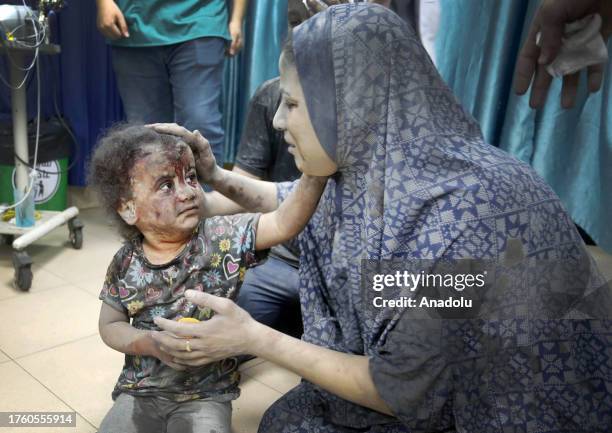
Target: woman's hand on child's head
206	164
227	333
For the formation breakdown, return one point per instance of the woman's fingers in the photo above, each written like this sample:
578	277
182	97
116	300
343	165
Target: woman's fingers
569	90
181	330
172	129
595	73
527	62
181	356
175	366
194	138
539	89
215	303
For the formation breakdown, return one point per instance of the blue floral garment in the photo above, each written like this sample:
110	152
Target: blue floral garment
214	261
416	181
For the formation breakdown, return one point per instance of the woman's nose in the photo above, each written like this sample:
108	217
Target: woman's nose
279	122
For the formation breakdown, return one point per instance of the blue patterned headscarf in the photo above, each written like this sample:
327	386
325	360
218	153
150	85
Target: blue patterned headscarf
416	181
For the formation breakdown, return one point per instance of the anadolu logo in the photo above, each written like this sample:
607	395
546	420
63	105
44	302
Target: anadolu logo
46	183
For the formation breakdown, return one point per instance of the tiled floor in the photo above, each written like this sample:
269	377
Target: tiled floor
51	357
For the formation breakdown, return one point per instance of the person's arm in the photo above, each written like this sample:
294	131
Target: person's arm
235	25
111	21
242	172
241	193
232	331
292	215
343	374
117	333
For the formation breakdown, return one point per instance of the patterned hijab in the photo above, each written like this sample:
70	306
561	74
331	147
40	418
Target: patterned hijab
415	181
386	119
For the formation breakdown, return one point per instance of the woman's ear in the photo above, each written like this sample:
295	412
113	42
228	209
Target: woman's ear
127	211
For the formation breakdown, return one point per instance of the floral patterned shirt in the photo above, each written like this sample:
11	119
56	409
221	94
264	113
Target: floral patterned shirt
213	261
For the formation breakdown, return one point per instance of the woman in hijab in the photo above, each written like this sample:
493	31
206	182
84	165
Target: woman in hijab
410	180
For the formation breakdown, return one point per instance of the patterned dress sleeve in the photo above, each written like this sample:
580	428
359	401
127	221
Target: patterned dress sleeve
283	189
111	289
412	375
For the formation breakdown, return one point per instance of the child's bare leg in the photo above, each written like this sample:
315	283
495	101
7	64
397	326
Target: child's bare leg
200	416
132	414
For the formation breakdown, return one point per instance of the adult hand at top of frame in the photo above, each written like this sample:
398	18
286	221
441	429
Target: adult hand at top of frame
550	21
111	21
206	164
227	333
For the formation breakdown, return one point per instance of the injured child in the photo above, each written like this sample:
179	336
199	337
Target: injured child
148	182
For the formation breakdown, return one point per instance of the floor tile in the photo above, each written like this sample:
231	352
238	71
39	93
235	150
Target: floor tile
87	388
92	286
42	279
21	392
254	399
33	322
72	265
275	377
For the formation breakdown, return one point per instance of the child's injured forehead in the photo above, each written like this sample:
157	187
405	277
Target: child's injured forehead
161	160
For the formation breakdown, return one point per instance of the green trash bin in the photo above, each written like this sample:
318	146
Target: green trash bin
51	185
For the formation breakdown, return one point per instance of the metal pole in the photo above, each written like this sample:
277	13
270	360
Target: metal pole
20	120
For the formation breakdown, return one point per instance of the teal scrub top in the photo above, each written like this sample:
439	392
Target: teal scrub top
165	22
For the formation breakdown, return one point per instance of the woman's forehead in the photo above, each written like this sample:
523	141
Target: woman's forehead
289	79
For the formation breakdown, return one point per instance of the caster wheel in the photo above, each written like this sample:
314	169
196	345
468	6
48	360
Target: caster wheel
76	238
23	270
76	233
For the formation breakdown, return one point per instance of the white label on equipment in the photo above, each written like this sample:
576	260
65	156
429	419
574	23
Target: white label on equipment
47	182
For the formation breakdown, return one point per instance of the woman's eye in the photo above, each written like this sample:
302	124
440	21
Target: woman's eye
192	178
166	186
290	105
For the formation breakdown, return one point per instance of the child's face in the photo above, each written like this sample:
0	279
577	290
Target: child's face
166	196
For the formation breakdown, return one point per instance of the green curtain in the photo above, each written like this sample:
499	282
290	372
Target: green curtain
476	53
265	31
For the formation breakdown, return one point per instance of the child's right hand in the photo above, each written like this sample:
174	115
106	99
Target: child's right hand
206	164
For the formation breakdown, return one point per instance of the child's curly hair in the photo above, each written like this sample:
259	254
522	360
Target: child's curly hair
111	164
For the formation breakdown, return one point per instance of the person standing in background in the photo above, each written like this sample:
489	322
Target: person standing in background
168	59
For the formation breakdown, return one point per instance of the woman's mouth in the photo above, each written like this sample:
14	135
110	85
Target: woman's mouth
188	210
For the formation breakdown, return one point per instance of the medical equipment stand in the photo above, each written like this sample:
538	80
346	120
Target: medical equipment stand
21	237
